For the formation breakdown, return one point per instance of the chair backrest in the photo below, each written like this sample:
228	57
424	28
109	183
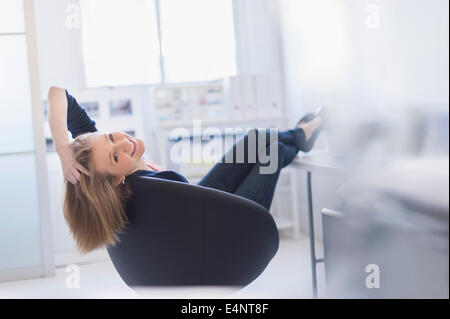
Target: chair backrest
181	234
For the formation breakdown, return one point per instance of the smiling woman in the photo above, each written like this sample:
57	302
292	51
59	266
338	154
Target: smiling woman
117	153
95	166
94	206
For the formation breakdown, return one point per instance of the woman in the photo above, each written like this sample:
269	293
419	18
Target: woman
101	169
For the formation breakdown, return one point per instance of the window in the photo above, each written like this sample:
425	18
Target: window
123	41
11	16
197	39
120	42
22	221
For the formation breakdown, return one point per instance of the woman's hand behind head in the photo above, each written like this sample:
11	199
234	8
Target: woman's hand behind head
71	168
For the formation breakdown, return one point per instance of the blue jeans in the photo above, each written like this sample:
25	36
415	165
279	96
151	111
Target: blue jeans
245	179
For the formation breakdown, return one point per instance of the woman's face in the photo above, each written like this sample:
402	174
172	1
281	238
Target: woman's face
116	153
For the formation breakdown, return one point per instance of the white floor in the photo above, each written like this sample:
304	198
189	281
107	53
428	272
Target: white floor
287	276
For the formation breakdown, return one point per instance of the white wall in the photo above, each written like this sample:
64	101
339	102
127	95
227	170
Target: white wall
257	37
60	56
334	54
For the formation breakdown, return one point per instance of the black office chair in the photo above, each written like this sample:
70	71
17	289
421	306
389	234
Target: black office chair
190	235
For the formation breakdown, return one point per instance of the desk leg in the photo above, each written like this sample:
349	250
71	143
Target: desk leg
311	234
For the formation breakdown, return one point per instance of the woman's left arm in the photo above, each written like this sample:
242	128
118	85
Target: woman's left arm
57	118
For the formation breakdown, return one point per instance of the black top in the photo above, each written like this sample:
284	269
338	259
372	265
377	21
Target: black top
78	122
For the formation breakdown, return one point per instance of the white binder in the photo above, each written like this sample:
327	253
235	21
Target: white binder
248	96
268	96
233	97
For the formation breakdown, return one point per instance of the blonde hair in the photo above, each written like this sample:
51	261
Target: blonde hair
94	208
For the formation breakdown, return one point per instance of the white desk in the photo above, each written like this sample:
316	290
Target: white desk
318	162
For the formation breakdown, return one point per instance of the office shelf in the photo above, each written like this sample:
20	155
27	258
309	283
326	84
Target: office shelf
211	122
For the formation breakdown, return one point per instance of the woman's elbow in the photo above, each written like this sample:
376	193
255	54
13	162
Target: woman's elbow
53	91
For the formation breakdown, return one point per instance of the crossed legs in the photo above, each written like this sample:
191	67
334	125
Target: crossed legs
246	178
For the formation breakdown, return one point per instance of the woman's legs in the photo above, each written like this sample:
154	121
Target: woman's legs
261	187
249	178
228	176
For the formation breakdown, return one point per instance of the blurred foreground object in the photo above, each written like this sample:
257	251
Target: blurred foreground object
391	236
383	133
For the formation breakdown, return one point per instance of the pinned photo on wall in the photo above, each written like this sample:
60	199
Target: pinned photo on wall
50	146
120	107
92	108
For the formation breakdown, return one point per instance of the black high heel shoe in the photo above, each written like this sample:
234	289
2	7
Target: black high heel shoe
308	145
307	118
311	116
